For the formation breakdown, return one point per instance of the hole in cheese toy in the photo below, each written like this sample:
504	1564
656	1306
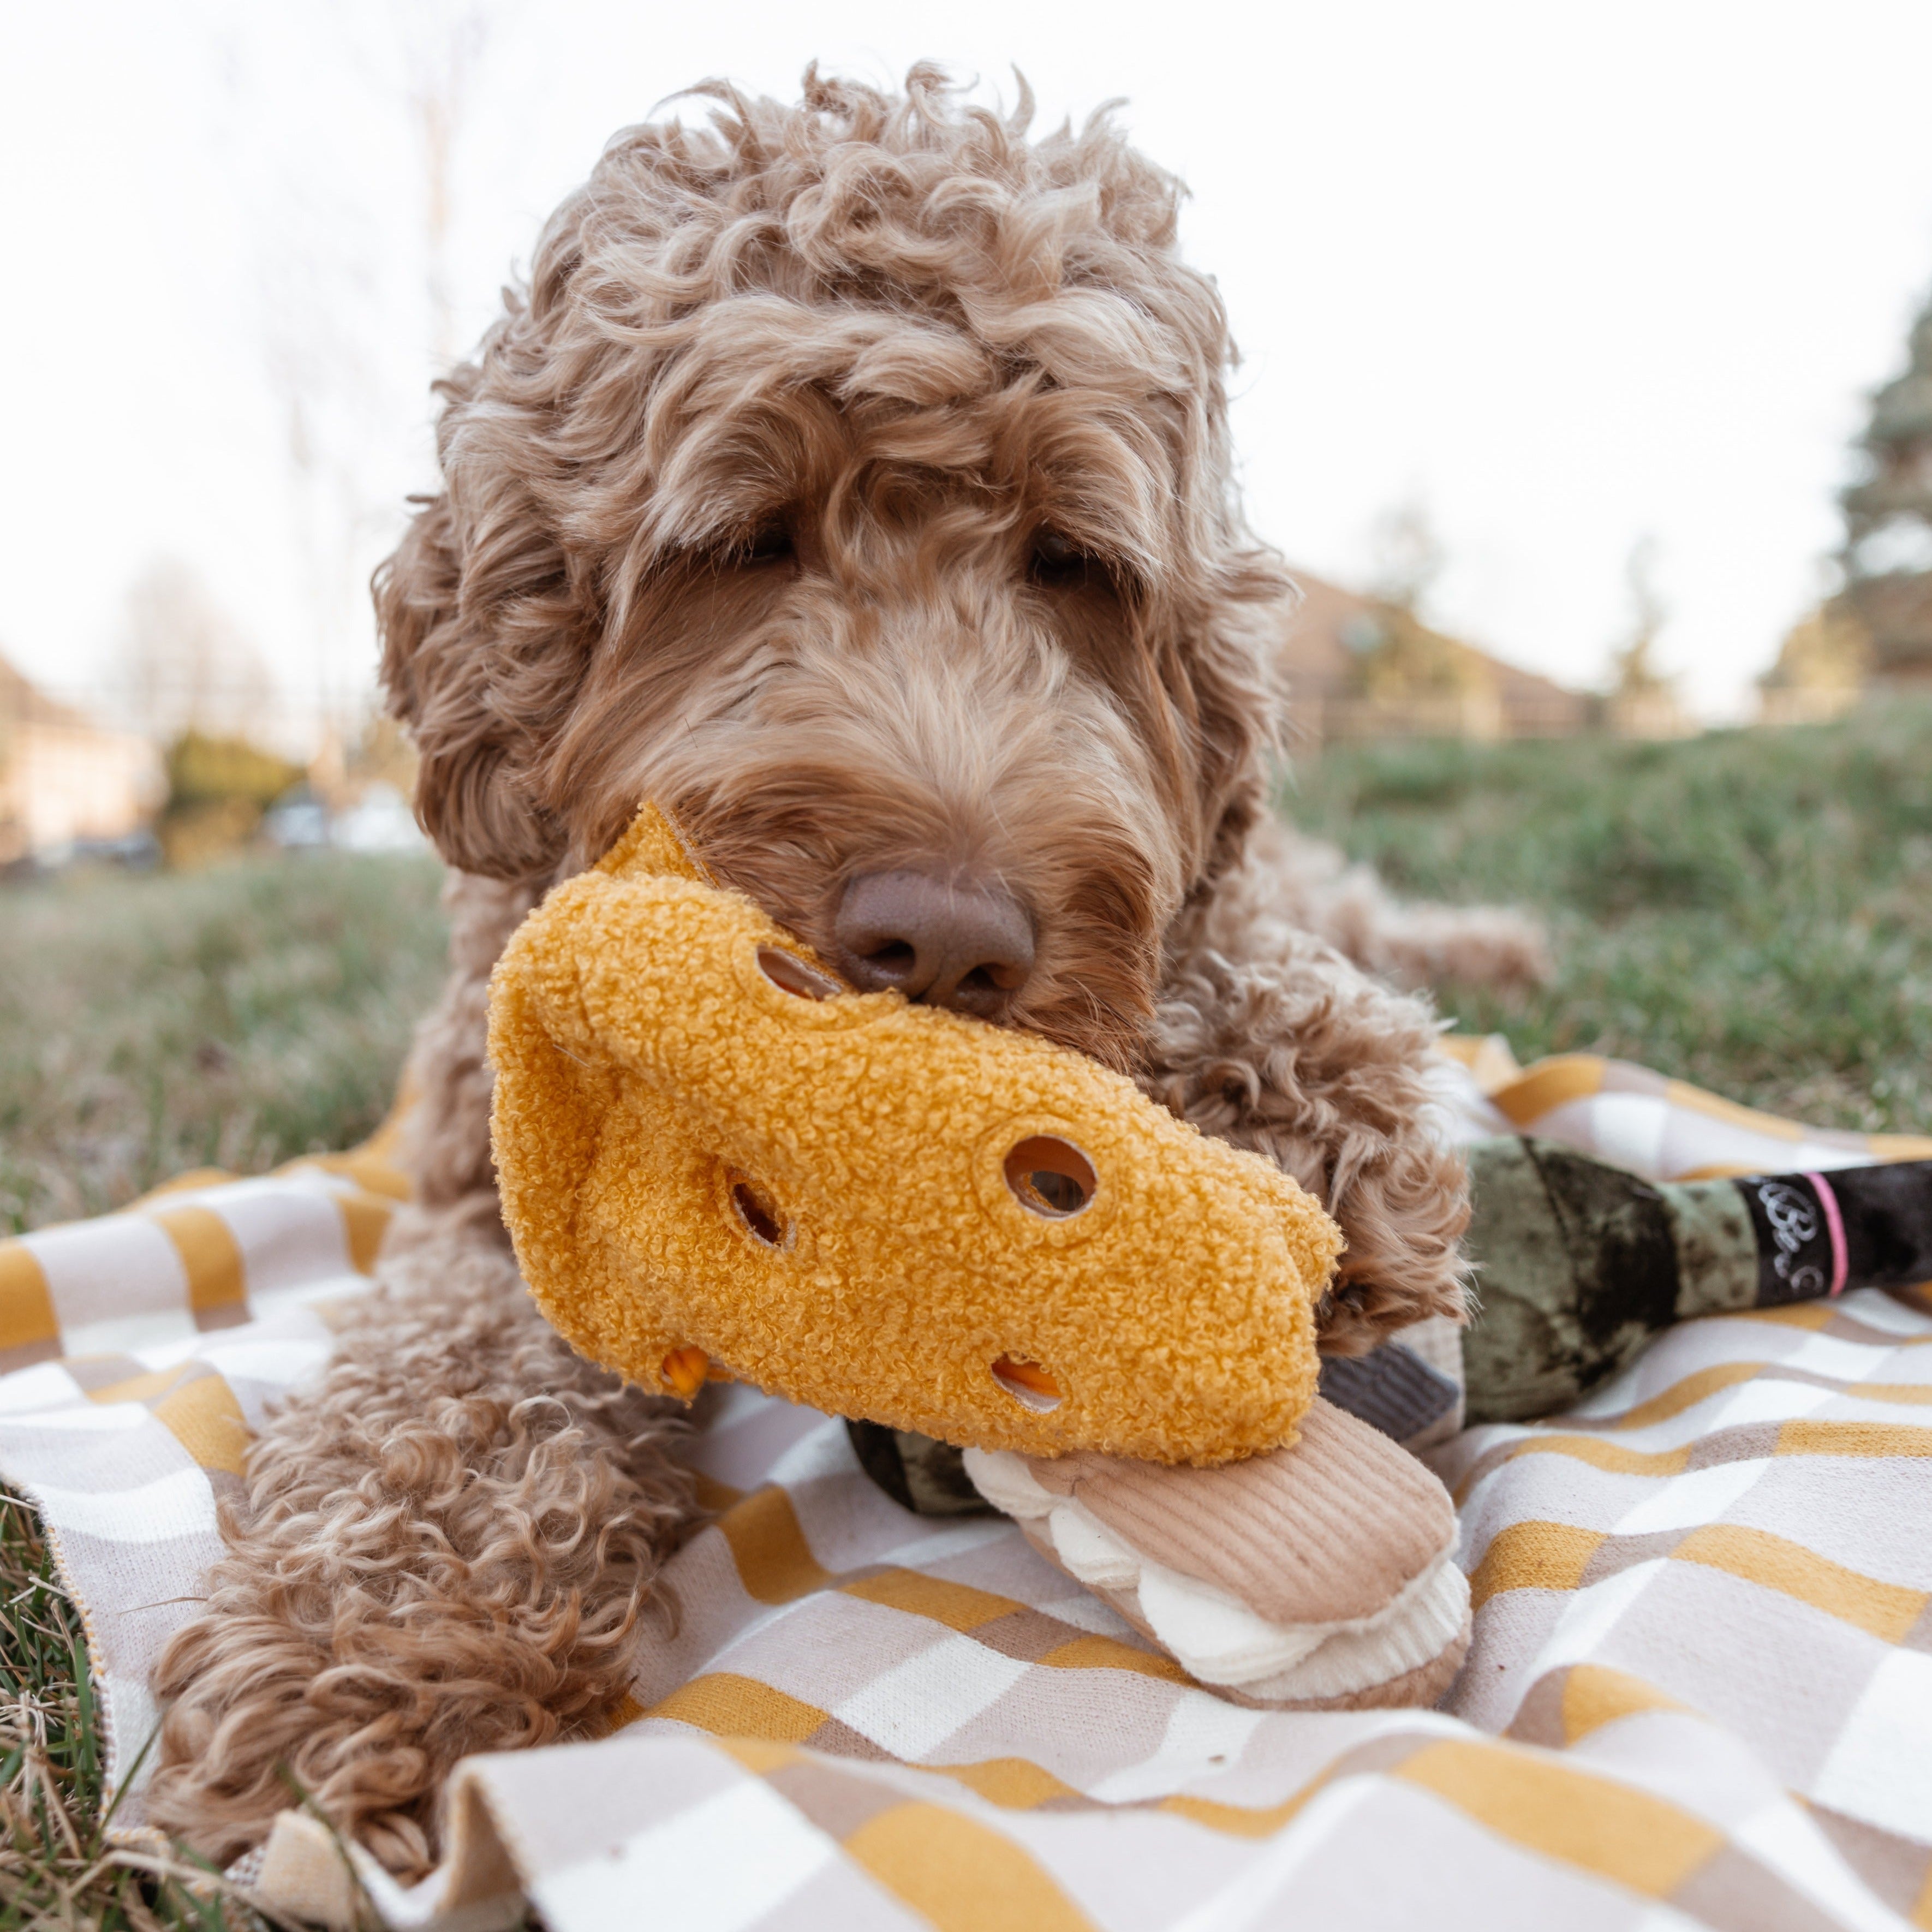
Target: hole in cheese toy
1028	1384
1051	1176
716	1159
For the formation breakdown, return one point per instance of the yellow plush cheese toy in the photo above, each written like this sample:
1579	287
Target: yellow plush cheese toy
714	1157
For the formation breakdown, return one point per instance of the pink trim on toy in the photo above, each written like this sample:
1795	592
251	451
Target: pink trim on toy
1834	1221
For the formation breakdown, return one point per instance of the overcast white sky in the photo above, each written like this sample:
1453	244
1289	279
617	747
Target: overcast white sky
1570	274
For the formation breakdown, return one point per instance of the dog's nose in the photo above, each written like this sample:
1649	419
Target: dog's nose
968	947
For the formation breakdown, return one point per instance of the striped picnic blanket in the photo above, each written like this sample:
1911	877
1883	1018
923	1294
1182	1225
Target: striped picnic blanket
1700	1692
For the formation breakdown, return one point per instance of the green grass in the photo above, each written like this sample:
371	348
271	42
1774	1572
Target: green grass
234	1017
57	1870
1749	910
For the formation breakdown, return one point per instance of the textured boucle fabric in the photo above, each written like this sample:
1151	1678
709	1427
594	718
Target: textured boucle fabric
813	1192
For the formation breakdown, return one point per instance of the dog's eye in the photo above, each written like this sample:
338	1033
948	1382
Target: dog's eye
771	543
1058	560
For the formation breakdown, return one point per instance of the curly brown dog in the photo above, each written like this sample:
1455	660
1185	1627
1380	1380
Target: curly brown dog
853	478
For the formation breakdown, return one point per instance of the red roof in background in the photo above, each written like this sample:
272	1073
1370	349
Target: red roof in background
21	704
1317	653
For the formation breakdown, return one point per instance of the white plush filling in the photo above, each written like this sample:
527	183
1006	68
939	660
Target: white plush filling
1213	1635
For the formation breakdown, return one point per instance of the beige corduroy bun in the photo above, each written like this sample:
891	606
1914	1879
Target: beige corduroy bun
711	1153
1321	1576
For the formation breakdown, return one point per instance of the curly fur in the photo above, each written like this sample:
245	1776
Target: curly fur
1316	889
1267	1035
853	478
449	1547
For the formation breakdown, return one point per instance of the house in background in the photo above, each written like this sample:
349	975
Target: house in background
1821	671
1361	667
64	779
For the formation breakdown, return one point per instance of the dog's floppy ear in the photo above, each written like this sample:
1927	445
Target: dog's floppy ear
1237	700
470	673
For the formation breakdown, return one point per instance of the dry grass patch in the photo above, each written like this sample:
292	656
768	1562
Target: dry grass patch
234	1017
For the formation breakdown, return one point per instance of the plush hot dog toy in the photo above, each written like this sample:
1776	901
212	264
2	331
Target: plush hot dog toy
714	1158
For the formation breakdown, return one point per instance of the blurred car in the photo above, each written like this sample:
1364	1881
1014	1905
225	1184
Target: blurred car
136	851
297	821
380	821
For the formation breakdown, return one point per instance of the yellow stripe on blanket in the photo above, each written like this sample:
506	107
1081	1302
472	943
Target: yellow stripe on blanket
195	1404
761	1759
959	1606
217	1278
959	1875
775	1562
29	1328
1524	1095
1669	1402
735	1708
1543	1803
1237	1821
182	1183
1594	1695
775	1565
371	1172
205	1418
1807	1436
730	1705
147	1386
1533	1555
1549	1085
1093	1652
1900	1147
365	1220
1599	1451
1685	1394
1012	1783
1887	1610
1487	1058
1905	1394
1616	1458
1713	1106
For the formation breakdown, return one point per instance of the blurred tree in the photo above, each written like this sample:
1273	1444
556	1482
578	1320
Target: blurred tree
1643	700
1822	667
1398	655
356	288
1406	678
202	770
1887	553
383	755
218	789
380	754
1406	555
443	45
184	665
